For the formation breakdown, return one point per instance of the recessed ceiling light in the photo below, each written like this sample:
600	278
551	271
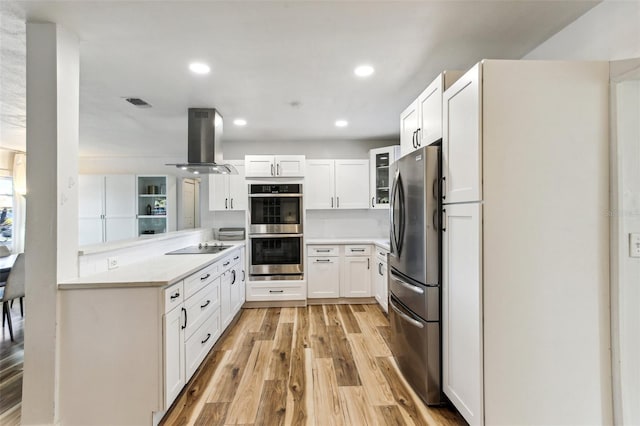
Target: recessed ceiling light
199	68
240	122
342	123
363	70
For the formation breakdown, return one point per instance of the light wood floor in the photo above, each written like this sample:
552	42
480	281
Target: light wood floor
319	365
11	363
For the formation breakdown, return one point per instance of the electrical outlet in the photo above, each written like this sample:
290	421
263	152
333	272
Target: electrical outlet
112	262
634	245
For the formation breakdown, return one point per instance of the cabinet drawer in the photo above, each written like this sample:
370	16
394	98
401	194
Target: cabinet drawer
193	283
322	250
173	296
381	255
201	306
357	250
276	293
200	343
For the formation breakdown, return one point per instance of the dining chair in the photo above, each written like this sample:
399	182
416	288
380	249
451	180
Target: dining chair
13	289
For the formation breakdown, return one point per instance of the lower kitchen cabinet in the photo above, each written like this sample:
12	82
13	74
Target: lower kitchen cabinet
174	360
338	271
462	356
323	277
380	280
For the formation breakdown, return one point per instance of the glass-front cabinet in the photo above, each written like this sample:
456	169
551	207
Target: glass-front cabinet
152	204
379	176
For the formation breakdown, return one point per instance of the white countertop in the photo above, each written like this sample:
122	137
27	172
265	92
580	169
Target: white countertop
158	271
380	242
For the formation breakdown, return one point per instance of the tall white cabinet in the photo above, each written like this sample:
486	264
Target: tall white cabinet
525	243
106	208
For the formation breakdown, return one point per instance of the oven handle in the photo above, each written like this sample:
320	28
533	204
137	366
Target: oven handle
275	236
275	195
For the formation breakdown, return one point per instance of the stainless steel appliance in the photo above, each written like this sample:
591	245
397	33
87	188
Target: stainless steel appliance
275	232
414	270
275	209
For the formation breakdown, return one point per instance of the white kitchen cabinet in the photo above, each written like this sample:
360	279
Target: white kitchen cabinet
323	272
380	279
421	122
337	184
229	192
526	167
352	184
320	184
275	165
174	354
200	343
462	139
379	175
106	208
237	284
462	366
355	279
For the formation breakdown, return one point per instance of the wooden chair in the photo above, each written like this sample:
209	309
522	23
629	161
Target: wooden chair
13	289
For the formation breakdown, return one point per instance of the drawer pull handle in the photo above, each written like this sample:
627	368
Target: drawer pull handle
204	277
323	260
276	291
175	296
205	305
323	250
358	250
205	340
226	263
236	258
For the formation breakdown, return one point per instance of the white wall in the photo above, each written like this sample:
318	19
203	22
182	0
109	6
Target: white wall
609	31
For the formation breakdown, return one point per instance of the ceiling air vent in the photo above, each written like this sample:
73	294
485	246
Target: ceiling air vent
141	103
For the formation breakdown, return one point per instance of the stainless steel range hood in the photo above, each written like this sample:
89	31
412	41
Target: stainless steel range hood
205	144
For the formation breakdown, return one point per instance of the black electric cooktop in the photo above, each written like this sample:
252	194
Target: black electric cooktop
200	249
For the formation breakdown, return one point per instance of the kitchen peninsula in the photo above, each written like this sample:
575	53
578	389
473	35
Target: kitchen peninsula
132	337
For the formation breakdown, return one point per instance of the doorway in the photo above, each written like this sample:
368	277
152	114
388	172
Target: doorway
189	204
625	227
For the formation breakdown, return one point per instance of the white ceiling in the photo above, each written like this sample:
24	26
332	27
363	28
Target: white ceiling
265	55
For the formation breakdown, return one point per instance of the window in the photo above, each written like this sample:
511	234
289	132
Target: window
6	211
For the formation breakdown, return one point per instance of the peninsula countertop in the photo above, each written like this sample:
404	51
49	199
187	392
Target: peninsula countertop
158	271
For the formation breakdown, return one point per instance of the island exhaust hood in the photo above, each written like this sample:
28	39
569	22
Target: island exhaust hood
204	144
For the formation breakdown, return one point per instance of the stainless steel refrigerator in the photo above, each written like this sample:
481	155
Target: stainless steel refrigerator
414	270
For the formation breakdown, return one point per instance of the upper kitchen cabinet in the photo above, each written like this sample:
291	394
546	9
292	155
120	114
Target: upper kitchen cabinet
258	166
421	122
229	192
462	141
337	184
106	208
379	175
153	213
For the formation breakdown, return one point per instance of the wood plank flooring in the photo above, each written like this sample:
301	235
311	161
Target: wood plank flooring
11	364
318	365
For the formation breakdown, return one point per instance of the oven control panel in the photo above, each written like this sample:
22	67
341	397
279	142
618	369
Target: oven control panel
275	189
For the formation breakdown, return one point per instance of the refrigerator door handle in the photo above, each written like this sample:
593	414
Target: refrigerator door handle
392	216
400	194
406	285
404	316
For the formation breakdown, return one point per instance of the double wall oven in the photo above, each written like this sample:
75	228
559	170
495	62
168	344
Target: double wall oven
275	232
